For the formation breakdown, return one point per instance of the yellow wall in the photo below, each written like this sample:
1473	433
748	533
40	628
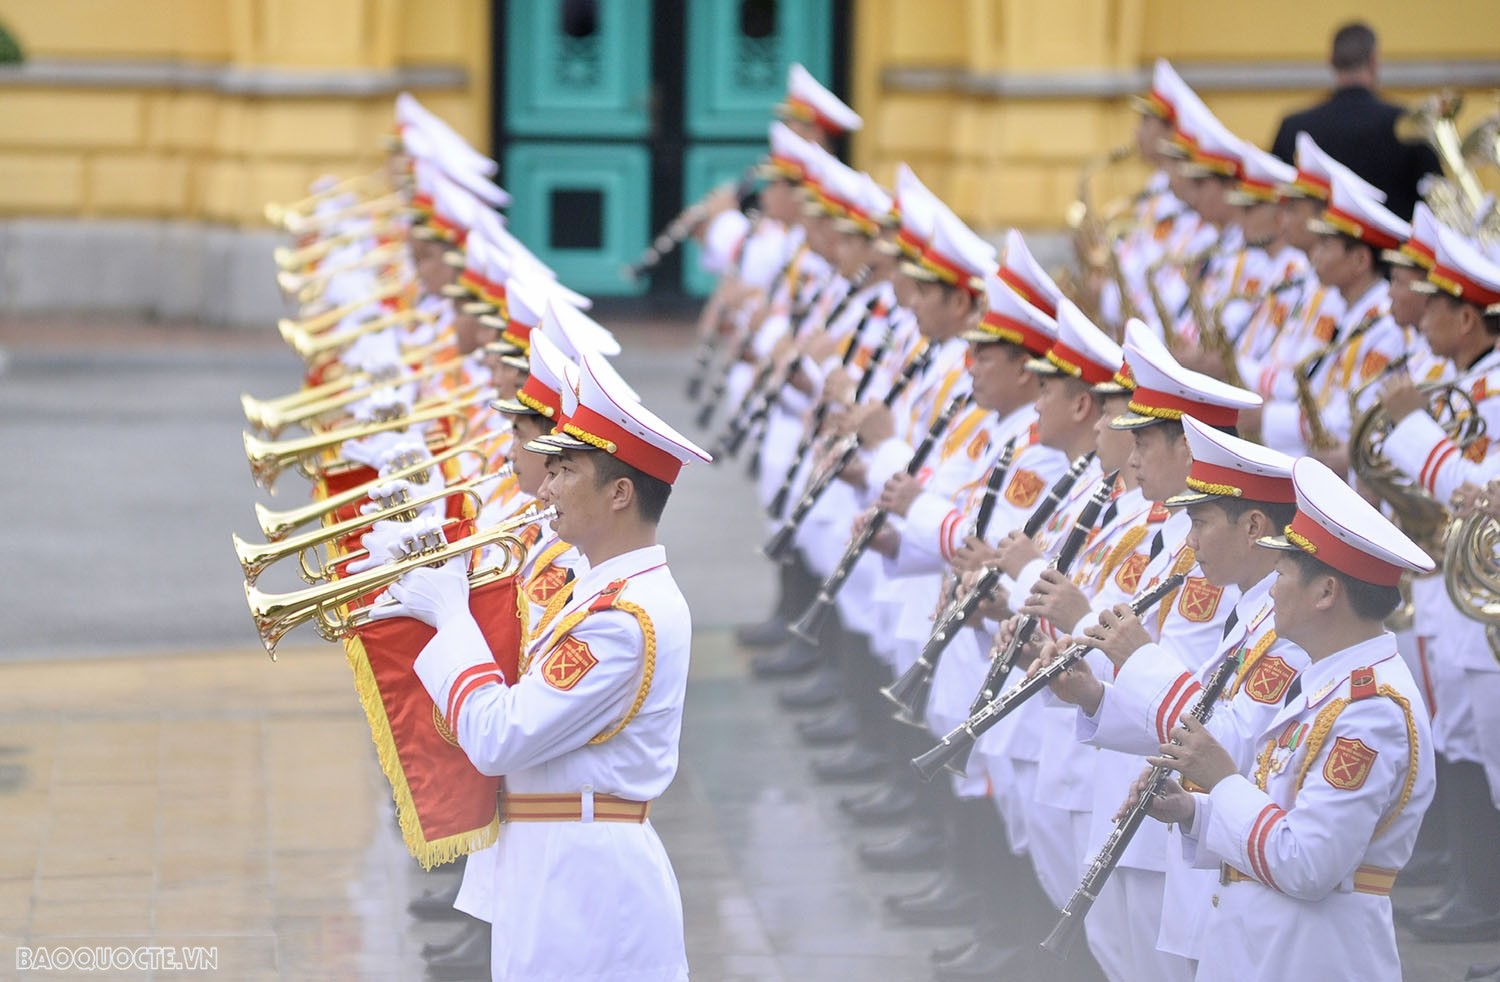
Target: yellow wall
1015	160
156	148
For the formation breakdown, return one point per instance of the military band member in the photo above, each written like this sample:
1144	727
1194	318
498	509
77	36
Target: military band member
588	735
1310	839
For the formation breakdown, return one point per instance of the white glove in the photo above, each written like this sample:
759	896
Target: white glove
378	353
407	451
383	402
372	449
387	495
385	542
432	596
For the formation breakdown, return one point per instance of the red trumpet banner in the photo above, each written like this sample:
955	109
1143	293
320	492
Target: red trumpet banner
447	809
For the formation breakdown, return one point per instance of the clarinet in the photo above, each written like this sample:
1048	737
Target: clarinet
1077	536
741	353
961	740
810	624
842	453
809	435
768	386
909	692
1070	921
686	223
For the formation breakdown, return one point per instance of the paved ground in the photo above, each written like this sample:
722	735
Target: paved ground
161	782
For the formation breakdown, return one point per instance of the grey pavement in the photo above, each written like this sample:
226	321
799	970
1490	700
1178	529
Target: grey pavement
124	476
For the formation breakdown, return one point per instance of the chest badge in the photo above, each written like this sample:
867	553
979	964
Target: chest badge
569	662
1349	763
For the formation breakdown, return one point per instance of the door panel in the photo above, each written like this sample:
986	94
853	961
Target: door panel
578	68
738	53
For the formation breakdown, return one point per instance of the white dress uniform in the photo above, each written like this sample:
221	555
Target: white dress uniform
586	738
1153	689
1126	919
1310	841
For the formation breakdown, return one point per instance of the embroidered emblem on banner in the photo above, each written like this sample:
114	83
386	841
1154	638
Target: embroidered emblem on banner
569	662
1349	763
979	444
1199	599
441	725
1024	488
1268	680
1129	574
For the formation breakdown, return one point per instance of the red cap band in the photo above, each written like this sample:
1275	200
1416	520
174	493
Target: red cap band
1335	552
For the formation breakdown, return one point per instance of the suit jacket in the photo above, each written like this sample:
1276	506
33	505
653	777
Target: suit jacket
1357	129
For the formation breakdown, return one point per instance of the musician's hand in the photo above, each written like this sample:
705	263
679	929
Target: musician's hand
433	596
1400	397
838	387
994	607
1077	685
1027	654
974	554
717	202
1466	500
1251	419
1118	633
1056	598
820	346
1172	803
856	472
1194	753
876	425
1014	551
898	494
886	542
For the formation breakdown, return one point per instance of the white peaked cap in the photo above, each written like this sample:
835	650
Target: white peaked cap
1342	530
1350	212
611	418
1019	268
1227	466
430	150
1262	174
1164	390
1008	317
1081	350
955	255
545	381
1464	271
576	332
412	114
809	100
1315	170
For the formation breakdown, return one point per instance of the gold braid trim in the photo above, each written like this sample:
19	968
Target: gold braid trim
428	852
1208	487
1319	736
1123	548
523	611
554	607
648	666
1186	560
1301	541
597	442
1263	764
1251	657
648	669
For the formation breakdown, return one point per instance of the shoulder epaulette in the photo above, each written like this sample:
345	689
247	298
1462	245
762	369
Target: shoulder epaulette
608	596
1362	684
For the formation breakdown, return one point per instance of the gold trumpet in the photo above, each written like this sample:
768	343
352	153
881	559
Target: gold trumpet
288	258
264	413
271	420
277	613
278	524
300	223
372	183
254	557
307	287
1471	573
328	319
268	458
311	345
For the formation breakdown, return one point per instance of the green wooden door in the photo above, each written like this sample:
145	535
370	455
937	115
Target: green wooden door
615	114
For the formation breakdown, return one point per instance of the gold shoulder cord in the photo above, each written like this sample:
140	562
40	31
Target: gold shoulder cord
1123	548
648	667
1254	655
1323	725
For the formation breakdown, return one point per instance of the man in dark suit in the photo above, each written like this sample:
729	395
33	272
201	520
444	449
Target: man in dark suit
1357	127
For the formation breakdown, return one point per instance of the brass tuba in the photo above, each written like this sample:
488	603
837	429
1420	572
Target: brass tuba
1471	571
1425	520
